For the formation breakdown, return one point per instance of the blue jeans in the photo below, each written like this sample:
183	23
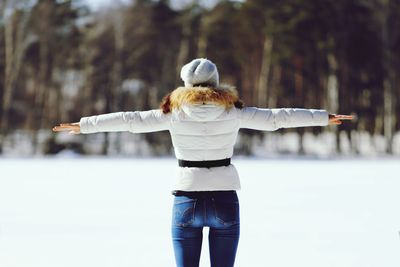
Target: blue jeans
218	210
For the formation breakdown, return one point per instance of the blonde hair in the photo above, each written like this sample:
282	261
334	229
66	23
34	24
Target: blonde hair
226	96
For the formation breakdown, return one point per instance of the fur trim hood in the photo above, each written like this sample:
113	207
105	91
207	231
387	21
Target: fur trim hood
225	96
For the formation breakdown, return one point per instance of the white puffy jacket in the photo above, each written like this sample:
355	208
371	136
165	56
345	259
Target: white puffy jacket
204	132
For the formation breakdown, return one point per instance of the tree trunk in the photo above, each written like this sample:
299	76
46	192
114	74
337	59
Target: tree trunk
333	92
389	79
44	71
9	77
14	54
182	56
117	71
299	95
184	47
248	82
388	121
202	41
262	87
274	88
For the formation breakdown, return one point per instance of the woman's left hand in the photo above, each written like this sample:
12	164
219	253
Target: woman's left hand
335	119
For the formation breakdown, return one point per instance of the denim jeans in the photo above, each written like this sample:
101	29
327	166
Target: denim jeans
218	210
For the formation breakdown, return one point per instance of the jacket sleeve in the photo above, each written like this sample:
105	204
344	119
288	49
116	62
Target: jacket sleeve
134	121
273	119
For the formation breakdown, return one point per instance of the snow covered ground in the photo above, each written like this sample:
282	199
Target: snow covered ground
116	212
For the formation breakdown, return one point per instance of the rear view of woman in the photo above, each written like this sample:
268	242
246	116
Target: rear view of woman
203	119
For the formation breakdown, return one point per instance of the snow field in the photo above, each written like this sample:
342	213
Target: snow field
116	212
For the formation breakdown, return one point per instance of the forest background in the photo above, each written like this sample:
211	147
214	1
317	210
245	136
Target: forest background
61	60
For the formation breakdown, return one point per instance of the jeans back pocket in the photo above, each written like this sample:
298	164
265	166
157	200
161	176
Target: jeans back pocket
183	211
227	209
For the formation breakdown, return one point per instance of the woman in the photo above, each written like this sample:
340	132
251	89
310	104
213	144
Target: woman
203	119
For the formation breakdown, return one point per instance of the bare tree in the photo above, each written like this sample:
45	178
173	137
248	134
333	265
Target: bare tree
384	11
15	37
390	76
263	86
332	88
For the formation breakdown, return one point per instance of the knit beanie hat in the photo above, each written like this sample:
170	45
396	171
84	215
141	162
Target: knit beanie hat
200	71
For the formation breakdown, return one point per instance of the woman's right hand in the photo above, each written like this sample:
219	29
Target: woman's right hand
72	128
335	119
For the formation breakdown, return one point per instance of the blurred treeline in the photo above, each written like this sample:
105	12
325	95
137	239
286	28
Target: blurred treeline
59	61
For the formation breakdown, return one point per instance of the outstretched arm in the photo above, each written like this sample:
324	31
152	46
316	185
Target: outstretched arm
135	122
273	119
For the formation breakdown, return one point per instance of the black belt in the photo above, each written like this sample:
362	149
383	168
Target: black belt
204	163
199	194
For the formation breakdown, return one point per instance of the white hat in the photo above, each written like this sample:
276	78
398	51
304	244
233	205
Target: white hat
200	71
